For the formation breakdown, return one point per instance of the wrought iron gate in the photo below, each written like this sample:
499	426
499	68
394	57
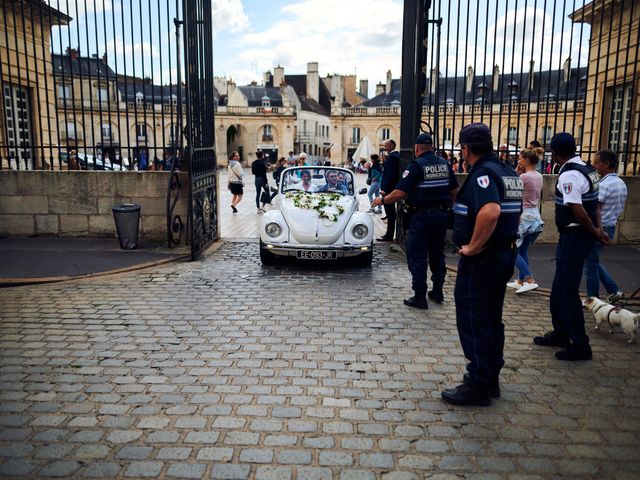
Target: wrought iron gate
199	129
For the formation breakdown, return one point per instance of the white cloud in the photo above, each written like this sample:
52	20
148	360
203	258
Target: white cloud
228	15
362	35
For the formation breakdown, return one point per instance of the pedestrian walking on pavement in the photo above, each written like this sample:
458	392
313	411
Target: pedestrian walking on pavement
486	217
388	183
429	185
259	170
612	195
236	184
375	175
578	222
531	223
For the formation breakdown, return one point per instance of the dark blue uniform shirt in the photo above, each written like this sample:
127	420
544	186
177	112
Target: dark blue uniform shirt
428	181
489	181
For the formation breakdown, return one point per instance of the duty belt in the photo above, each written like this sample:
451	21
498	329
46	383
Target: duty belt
443	207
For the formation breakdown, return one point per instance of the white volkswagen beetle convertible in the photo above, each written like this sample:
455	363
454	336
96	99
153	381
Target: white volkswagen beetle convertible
315	217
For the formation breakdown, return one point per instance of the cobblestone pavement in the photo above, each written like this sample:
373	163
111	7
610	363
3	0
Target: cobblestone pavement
225	369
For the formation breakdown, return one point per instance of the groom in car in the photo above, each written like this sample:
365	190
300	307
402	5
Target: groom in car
333	185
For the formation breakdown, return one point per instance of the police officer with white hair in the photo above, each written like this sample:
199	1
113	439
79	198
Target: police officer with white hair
429	185
486	216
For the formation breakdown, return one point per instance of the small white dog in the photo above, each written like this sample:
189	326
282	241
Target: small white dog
614	316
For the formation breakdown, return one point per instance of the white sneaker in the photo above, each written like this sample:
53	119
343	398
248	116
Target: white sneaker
514	284
527	286
614	297
260	211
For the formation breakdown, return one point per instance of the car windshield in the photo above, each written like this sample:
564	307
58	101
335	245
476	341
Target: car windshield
317	180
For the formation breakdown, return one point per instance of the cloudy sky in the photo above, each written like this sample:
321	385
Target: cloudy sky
355	36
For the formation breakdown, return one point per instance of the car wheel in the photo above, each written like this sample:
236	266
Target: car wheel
364	259
266	257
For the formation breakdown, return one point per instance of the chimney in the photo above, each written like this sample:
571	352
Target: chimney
388	86
566	67
267	77
433	81
532	65
231	86
313	81
495	82
364	88
278	76
379	89
469	79
74	53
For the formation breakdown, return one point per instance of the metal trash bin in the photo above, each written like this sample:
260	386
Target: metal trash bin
127	218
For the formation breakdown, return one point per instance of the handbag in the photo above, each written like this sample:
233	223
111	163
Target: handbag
265	198
368	182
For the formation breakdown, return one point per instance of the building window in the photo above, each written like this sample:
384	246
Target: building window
447	134
70	130
106	131
546	134
174	133
64	92
512	138
385	134
304	127
139	98
620	118
103	94
267	133
266	102
579	134
355	135
141	131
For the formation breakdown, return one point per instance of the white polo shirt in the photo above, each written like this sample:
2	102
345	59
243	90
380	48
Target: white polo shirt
572	184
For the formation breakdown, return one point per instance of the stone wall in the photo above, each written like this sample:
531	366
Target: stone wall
78	204
628	230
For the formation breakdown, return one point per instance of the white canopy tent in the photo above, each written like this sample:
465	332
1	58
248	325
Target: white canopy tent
364	150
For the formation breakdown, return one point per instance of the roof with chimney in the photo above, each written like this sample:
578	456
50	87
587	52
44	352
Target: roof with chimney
256	94
299	84
515	87
72	64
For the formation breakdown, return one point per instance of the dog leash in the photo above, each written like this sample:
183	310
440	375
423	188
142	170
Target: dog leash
620	305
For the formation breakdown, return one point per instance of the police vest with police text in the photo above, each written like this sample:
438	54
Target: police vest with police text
564	215
435	186
510	189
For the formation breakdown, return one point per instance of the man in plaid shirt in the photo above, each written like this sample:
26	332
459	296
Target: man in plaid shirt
611	199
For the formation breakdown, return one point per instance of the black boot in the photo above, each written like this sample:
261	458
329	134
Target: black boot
494	387
552	339
417	302
470	393
436	295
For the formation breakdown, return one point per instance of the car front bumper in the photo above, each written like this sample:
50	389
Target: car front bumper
288	249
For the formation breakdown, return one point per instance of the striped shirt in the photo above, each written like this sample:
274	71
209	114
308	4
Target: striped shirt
612	196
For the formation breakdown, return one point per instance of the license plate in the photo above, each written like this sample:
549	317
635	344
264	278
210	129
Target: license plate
317	255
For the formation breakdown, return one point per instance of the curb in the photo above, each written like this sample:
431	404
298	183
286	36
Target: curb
17	282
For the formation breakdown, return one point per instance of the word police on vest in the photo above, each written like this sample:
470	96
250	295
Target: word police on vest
436	171
513	187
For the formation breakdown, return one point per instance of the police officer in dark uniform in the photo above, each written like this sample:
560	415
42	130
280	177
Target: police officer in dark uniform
578	222
429	185
486	216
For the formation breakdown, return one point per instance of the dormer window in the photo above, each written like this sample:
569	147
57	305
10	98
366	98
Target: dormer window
266	101
482	89
514	89
139	98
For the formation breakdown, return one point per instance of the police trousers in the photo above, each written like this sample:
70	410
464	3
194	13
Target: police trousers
479	296
567	316
426	241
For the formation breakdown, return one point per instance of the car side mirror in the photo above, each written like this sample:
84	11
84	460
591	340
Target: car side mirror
362	191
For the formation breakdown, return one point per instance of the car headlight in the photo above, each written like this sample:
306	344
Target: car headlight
273	229
360	231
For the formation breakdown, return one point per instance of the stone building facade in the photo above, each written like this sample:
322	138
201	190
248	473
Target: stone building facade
28	118
612	110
